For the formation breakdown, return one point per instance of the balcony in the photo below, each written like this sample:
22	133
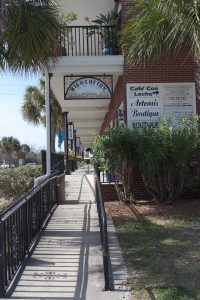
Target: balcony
89	41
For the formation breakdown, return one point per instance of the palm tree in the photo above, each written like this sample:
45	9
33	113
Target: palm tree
28	34
33	109
24	151
160	28
10	146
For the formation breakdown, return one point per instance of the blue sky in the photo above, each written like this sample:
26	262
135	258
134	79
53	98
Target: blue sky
12	89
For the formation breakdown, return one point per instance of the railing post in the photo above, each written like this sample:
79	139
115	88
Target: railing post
2	260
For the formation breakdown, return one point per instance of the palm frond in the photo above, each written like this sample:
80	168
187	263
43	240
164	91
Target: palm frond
160	28
31	35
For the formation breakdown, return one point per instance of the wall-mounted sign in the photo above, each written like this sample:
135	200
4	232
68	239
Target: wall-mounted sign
97	87
146	102
179	100
70	132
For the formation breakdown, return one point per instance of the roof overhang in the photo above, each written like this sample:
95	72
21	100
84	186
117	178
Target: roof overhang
87	114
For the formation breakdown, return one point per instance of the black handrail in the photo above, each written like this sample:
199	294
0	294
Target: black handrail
103	230
32	190
20	226
57	162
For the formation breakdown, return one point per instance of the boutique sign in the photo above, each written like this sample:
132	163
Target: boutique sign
146	102
88	87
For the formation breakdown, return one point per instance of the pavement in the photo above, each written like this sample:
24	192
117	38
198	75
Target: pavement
67	262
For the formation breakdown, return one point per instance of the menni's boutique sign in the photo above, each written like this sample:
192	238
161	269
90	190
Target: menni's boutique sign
97	87
146	102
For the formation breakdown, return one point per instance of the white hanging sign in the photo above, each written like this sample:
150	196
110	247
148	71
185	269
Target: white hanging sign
70	132
78	142
88	87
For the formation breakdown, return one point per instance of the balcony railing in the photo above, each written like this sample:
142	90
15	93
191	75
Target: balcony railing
89	41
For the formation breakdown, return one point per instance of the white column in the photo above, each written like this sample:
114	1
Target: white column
48	125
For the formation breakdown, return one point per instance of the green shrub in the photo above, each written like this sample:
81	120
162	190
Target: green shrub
15	182
164	158
162	154
116	151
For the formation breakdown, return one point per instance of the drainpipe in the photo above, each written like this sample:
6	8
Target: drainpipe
48	131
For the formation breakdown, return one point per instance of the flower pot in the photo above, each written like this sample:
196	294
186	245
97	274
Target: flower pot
110	50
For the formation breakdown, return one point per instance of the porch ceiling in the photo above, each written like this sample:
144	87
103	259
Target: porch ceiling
87	114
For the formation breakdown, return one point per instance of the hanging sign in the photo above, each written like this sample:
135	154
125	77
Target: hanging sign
70	132
97	87
78	142
146	102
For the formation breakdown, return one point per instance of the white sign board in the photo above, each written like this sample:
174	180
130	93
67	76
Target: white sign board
146	102
179	100
70	132
143	104
94	87
78	142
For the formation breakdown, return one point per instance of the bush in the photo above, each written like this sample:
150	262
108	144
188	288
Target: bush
164	158
116	151
162	154
16	182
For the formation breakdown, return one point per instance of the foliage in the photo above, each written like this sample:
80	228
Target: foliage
10	146
159	28
107	33
164	158
79	158
33	109
71	155
15	182
162	154
29	31
109	19
67	18
11	150
87	161
115	151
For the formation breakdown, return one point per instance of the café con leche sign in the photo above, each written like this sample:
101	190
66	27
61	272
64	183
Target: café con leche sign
146	102
87	87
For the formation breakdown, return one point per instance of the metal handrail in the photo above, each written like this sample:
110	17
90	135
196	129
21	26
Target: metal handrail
31	191
20	226
103	230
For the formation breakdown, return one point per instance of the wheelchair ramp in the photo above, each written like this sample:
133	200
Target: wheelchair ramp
67	261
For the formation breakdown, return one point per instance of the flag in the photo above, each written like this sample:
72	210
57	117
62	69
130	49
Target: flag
61	136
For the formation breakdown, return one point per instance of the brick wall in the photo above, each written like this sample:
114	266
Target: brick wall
108	192
179	68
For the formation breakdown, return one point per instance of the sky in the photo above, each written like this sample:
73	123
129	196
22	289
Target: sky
12	90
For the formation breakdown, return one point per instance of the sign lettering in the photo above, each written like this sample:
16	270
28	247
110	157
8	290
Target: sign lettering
146	102
88	88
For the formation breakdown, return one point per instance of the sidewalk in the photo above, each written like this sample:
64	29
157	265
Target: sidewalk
67	262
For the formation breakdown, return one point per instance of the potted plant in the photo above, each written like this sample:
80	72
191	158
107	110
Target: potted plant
106	26
66	20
